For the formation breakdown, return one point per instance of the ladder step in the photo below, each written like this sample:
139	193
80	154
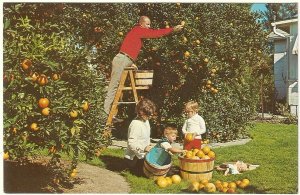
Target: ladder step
126	102
130	88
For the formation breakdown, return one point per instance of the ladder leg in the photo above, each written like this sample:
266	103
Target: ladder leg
114	107
133	86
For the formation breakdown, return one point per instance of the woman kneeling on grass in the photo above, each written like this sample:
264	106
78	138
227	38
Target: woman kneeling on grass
138	143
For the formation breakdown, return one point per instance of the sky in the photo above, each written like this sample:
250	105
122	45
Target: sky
258	7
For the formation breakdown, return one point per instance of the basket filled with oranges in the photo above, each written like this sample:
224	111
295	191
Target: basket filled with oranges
197	164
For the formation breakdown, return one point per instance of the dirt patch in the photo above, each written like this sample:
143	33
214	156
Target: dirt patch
34	177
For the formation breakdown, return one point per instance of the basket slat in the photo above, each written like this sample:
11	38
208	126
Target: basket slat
196	170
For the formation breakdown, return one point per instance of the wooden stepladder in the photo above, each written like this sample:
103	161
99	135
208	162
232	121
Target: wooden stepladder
138	80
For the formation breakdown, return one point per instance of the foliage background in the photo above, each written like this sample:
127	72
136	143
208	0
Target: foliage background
212	61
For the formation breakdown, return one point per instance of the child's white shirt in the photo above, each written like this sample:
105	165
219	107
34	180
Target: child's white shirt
138	139
165	145
195	124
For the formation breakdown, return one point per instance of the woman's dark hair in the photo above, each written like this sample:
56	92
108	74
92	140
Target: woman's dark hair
145	107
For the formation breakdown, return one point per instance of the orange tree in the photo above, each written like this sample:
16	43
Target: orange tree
63	52
210	61
53	95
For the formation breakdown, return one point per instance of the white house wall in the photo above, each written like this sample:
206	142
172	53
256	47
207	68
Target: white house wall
280	69
293	76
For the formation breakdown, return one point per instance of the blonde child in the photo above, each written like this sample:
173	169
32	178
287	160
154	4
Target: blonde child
170	134
194	124
138	143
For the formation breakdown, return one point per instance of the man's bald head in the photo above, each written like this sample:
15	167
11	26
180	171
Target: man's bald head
144	21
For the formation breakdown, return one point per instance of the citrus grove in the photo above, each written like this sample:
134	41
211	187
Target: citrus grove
57	62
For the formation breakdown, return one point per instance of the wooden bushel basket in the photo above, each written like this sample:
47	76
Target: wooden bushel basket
157	163
143	77
196	169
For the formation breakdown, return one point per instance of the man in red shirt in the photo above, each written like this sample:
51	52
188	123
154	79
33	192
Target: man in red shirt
129	51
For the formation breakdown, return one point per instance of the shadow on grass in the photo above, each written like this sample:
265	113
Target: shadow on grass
113	163
29	178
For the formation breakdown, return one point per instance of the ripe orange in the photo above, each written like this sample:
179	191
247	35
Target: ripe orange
121	33
14	130
184	39
187	54
176	179
206	60
205	157
42	80
189	154
26	64
169	180
5	156
162	182
198	41
52	149
46	111
210	187
34	76
231	190
73	113
55	77
73	174
206	149
34	127
200	154
43	102
238	182
204	181
208	82
211	154
225	184
242	185
189	137
246	181
194	187
232	185
201	186
85	106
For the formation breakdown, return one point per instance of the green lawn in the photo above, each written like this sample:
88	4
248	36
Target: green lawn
273	146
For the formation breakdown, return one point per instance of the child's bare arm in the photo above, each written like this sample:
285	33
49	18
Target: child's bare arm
176	150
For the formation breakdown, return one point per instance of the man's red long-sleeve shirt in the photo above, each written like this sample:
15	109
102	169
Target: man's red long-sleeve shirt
132	43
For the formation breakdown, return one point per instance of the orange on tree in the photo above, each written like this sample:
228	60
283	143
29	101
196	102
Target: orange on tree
55	77
182	23
187	54
34	76
34	127
73	113
206	60
46	111
43	102
176	179
5	156
85	106
42	80
26	64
